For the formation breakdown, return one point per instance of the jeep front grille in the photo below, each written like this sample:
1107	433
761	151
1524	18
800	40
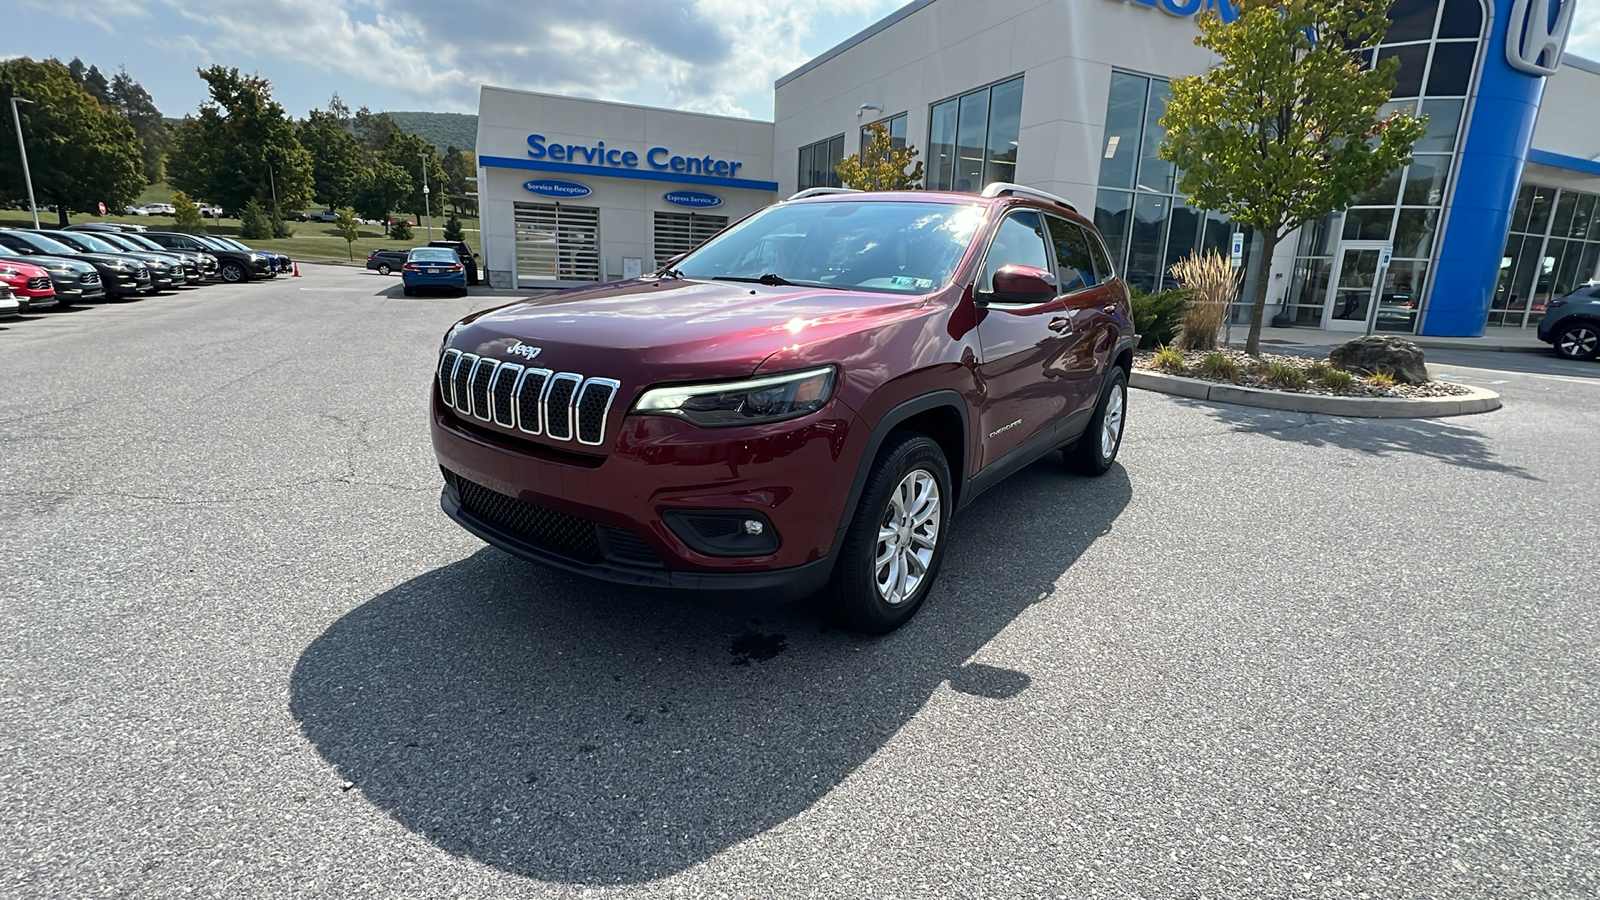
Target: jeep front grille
559	405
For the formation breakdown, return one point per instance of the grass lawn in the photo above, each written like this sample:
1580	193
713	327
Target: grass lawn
311	241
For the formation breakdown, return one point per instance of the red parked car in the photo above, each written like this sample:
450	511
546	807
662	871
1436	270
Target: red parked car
802	403
30	283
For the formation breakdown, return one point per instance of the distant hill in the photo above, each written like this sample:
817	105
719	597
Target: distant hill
443	130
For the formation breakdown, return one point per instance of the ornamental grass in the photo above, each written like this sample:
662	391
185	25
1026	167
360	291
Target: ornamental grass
1215	283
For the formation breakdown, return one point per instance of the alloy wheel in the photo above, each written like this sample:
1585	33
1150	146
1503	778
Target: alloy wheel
1579	342
1111	422
907	537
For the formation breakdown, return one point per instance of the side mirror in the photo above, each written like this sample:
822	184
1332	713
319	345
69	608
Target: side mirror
1022	284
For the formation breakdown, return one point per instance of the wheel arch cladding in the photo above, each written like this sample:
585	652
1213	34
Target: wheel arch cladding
942	415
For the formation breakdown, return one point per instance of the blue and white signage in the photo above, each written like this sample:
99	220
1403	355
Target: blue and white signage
549	187
1538	34
1186	8
658	158
695	199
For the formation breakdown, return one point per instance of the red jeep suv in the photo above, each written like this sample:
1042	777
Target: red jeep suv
799	404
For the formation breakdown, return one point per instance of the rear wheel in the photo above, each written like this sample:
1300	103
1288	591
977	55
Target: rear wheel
383	269
1580	340
895	541
232	272
1098	447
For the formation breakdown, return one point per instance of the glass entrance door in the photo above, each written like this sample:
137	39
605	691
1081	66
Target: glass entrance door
1355	282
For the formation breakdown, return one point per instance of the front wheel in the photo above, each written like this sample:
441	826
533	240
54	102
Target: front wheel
1580	340
1098	447
232	273
895	541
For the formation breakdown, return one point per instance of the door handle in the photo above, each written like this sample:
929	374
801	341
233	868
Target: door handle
1110	307
1060	325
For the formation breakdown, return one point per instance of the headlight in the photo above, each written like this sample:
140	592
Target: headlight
772	398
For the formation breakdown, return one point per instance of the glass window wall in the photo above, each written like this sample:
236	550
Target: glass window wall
1553	247
972	139
818	162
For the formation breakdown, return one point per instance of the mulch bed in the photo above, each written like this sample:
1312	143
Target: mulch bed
1250	376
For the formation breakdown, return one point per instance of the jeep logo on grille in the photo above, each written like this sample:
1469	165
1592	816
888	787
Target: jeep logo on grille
521	349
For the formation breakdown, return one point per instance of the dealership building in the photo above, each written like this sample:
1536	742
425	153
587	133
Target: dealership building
1498	212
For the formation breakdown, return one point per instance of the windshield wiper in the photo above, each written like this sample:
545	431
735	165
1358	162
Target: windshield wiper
670	273
774	279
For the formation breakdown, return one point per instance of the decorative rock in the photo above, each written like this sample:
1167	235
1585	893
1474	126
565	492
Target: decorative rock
1382	353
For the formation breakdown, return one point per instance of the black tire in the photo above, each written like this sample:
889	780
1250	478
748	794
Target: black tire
1580	340
905	468
409	292
1096	450
383	269
233	273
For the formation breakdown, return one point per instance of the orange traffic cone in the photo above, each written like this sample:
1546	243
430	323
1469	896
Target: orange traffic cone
296	268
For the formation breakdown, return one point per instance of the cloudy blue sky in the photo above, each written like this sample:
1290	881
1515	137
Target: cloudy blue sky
716	56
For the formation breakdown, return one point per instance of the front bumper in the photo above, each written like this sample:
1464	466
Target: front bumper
36	301
796	475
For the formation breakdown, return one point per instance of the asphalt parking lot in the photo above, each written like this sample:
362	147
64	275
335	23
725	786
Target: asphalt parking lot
1269	655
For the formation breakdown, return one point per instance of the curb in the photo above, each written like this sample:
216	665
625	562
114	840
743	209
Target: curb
1479	401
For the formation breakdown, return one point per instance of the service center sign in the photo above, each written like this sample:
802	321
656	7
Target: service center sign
658	158
1186	8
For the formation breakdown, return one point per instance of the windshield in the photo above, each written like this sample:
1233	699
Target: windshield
895	247
115	240
88	242
142	242
230	242
41	244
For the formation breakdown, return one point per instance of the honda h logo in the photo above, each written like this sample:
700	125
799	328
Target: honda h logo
1537	34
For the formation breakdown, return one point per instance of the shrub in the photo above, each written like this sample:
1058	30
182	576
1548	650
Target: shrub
1317	369
1337	379
453	230
1381	380
1284	375
253	222
1219	365
400	230
280	228
188	216
1214	283
1169	359
1157	316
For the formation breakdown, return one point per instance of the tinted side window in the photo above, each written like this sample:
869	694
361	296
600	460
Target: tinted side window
1019	241
1102	264
1074	265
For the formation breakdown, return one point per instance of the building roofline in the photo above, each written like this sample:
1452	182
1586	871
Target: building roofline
641	106
855	39
1578	62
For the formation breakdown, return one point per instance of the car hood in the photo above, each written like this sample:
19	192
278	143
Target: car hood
646	331
129	258
77	265
24	269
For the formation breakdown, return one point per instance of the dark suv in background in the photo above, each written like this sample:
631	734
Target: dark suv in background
233	264
802	403
120	275
1572	323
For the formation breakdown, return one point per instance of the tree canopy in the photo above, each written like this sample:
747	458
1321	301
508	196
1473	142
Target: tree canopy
337	158
1284	129
80	152
879	166
241	146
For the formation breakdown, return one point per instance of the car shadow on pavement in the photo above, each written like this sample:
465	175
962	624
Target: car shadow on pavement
1450	441
574	732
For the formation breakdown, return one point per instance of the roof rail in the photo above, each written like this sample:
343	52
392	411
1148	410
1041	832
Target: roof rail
819	191
1000	188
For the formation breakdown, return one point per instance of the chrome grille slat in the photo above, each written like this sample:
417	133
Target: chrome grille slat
447	375
590	407
482	375
558	403
530	398
463	374
502	395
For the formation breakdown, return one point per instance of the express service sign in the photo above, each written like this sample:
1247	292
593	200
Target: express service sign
695	199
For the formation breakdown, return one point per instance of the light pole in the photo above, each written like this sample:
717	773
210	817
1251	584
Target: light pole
23	148
426	207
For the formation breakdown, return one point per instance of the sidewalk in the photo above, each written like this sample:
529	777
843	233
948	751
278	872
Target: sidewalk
1509	340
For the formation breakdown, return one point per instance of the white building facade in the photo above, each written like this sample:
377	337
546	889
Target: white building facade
1499	212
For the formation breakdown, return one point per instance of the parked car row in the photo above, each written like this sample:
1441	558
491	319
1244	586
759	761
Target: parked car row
47	268
167	209
390	260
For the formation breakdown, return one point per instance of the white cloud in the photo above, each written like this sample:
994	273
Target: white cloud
1585	38
100	15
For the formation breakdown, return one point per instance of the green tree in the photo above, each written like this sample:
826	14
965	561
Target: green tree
453	230
253	222
411	153
1285	128
337	158
188	214
400	230
80	153
91	80
348	229
380	190
374	129
879	166
460	168
240	147
136	105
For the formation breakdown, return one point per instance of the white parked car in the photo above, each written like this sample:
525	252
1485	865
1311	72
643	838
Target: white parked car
135	211
160	209
9	304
